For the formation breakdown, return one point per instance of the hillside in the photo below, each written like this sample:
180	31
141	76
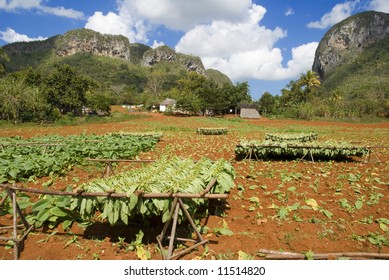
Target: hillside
352	61
348	39
110	59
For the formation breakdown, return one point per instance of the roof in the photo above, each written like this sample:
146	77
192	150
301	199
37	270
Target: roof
249	113
168	101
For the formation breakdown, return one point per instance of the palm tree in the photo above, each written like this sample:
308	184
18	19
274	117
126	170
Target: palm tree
3	57
309	82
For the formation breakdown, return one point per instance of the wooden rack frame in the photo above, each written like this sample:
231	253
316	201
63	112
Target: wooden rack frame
177	205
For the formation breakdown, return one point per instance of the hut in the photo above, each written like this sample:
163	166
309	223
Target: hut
166	104
249	113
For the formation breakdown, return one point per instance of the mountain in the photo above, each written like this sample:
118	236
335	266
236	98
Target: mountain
107	58
348	39
352	61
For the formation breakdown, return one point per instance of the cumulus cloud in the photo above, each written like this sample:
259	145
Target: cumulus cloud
380	5
338	13
15	5
11	36
183	15
134	18
118	24
245	50
227	35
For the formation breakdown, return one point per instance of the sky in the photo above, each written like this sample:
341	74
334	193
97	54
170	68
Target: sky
267	43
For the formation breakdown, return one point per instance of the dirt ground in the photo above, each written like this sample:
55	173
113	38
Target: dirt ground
282	205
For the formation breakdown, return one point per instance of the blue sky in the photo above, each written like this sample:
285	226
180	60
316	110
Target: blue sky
265	42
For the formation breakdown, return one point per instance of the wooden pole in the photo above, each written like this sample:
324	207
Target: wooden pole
278	255
81	193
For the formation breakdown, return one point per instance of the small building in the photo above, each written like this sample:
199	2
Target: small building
249	113
166	104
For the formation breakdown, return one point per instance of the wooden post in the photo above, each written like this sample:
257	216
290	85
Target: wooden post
16	211
173	217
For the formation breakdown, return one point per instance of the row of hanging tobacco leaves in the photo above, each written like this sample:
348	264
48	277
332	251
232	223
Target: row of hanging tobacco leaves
25	159
295	137
172	175
298	145
212	130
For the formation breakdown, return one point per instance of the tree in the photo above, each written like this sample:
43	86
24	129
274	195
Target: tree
196	87
308	82
3	58
99	101
267	103
66	90
155	82
240	92
189	102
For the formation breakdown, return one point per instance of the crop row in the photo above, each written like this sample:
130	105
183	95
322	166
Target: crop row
21	159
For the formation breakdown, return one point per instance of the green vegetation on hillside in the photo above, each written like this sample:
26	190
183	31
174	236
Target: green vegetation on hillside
63	75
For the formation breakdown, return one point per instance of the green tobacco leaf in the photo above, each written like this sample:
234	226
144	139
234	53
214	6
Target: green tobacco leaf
67	224
133	202
43	215
41	204
312	202
58	212
327	213
358	204
244	256
383	226
283	213
142	254
254	199
223	231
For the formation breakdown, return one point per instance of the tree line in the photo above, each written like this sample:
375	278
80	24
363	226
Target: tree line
32	95
306	98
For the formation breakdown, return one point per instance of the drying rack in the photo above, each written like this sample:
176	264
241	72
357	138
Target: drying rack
367	158
172	220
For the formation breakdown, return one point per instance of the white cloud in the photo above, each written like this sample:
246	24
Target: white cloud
15	5
134	18
380	5
338	13
245	50
11	36
289	12
183	15
118	24
227	35
157	44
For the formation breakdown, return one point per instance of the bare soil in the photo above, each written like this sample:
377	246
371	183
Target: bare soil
278	184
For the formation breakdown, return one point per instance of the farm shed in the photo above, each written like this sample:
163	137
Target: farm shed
167	103
249	113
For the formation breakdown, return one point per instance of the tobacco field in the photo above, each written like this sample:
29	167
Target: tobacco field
276	201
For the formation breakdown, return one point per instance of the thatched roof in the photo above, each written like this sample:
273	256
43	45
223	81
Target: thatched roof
248	113
168	102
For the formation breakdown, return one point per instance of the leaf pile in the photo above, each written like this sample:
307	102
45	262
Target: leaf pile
165	176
